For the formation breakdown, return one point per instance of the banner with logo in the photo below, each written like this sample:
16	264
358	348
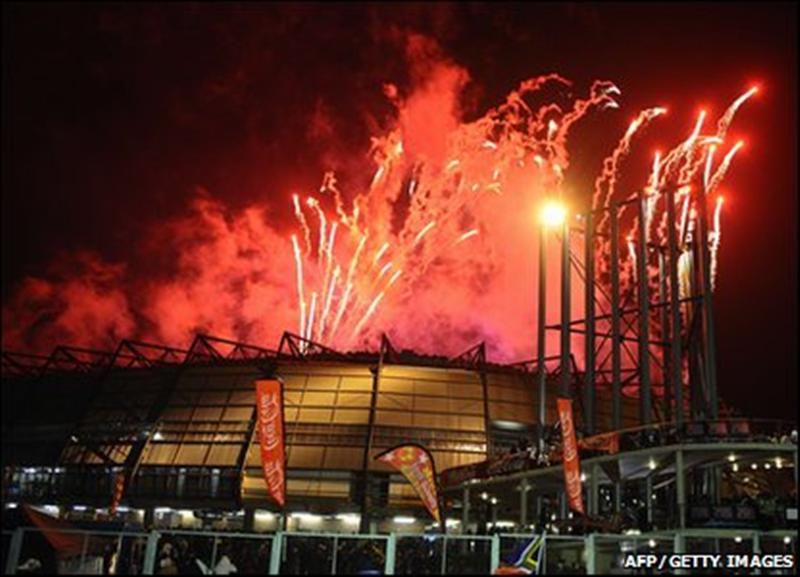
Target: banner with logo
497	467
608	442
572	465
269	406
416	465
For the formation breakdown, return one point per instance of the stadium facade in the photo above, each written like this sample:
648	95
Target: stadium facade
180	425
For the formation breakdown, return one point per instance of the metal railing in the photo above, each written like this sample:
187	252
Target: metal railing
156	552
437	554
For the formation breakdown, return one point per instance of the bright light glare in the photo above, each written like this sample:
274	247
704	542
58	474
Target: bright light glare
553	213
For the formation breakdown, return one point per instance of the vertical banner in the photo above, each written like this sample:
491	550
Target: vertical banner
572	465
269	407
416	465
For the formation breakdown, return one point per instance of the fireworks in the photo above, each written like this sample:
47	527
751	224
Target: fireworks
716	236
488	158
300	299
436	246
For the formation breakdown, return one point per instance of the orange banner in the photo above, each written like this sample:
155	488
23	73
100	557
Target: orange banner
572	465
60	533
416	465
608	442
119	488
269	404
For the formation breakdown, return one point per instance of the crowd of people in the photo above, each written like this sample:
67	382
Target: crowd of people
315	556
423	555
189	555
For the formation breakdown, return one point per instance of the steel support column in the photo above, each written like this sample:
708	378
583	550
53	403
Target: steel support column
588	371
541	347
676	365
539	512
680	488
697	368
487	417
249	520
465	506
523	505
710	351
645	408
594	492
365	477
663	317
616	358
335	552
565	312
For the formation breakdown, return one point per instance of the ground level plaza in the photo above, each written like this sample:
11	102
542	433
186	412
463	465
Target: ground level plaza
126	553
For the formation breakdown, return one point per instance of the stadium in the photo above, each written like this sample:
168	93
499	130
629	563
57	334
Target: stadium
369	289
169	436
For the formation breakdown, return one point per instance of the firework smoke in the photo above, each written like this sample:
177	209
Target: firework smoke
437	248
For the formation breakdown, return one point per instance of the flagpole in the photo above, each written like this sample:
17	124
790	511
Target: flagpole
439	499
285	460
442	515
425	483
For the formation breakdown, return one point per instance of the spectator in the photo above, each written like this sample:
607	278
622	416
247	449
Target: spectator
191	562
167	562
31	566
294	558
224	566
109	559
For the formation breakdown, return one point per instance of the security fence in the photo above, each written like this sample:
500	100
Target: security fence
60	551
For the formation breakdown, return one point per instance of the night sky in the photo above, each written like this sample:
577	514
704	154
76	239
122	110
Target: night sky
113	115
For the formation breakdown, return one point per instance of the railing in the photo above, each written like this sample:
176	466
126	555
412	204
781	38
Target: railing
732	429
205	552
7	536
726	430
437	554
93	483
181	552
83	552
333	554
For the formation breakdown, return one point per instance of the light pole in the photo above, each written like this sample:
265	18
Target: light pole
565	312
553	214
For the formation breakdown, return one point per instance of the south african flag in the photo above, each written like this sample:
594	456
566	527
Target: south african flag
525	560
